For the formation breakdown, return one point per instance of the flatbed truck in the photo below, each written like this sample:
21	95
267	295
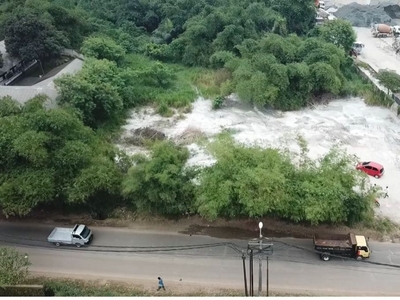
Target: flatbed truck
79	236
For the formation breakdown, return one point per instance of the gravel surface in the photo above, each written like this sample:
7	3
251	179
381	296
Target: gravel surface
364	15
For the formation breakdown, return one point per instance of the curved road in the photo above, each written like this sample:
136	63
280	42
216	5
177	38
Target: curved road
293	266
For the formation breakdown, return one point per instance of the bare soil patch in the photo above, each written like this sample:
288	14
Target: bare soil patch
195	225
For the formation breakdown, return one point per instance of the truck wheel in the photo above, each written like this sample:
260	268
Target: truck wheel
359	258
78	245
57	244
325	257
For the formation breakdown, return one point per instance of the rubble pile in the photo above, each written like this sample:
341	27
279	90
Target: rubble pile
364	15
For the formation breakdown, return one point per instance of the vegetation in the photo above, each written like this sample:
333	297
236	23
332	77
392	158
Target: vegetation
78	288
389	79
161	184
29	36
1	60
158	53
255	182
49	156
13	266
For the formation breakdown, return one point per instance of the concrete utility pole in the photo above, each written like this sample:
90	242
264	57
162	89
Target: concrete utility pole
260	225
264	249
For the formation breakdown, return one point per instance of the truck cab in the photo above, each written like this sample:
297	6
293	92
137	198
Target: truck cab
363	250
81	235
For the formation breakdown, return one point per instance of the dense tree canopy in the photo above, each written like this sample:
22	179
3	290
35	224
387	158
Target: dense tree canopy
339	33
161	184
30	36
257	182
157	52
45	156
103	48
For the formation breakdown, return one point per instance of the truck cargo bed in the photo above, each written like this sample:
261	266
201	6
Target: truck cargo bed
335	240
60	235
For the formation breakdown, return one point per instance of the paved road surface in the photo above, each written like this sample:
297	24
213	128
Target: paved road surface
378	52
291	268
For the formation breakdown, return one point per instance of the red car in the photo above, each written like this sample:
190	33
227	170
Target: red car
371	168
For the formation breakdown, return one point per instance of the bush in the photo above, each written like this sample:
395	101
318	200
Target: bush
255	182
23	291
13	266
218	102
161	184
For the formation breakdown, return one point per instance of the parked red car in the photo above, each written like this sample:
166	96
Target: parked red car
371	168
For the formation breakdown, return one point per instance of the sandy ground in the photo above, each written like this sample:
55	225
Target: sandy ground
371	133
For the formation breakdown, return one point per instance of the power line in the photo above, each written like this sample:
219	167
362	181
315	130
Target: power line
151	249
344	258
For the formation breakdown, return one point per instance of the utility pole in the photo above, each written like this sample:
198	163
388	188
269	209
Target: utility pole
251	274
264	248
244	274
260	225
267	277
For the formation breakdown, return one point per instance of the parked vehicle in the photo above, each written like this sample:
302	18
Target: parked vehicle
383	30
79	236
342	245
357	47
371	168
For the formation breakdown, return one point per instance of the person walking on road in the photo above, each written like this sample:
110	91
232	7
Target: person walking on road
386	192
160	284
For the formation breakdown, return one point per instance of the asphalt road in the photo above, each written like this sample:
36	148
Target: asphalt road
293	266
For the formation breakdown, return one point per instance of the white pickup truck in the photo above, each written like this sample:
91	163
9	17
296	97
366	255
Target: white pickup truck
79	236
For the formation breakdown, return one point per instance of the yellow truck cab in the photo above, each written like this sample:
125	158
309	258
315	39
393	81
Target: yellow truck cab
362	246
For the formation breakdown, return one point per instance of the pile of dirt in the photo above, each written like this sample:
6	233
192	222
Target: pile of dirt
139	136
189	136
365	15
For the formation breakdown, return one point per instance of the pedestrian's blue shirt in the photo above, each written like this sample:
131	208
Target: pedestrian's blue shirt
160	282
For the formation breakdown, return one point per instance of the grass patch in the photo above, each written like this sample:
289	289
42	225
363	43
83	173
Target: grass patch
382	225
76	288
362	64
210	83
375	97
188	83
355	87
180	94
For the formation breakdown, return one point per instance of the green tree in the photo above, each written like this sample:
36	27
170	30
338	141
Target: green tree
389	79
94	92
324	78
98	187
103	48
161	184
13	266
49	156
255	182
299	14
9	106
338	32
73	23
30	36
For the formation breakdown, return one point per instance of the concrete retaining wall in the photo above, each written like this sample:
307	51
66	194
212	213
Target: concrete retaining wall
369	76
73	53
